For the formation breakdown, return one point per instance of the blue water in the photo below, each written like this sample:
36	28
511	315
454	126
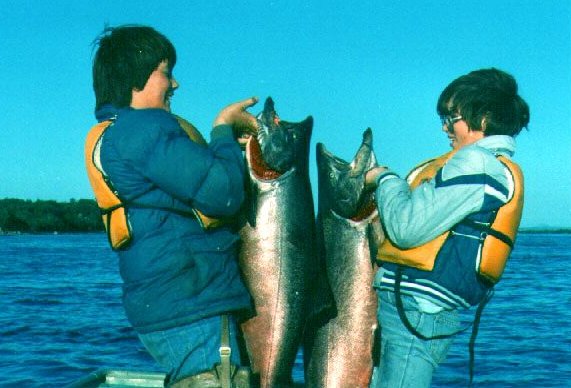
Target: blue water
61	316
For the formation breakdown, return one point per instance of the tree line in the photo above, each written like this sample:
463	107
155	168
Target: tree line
26	216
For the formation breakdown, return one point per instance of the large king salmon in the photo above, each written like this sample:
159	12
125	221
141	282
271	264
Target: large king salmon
339	351
277	255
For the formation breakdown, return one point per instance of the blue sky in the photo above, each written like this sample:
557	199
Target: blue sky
351	65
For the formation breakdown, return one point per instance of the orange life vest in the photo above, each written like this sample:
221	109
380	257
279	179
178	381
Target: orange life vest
498	238
113	212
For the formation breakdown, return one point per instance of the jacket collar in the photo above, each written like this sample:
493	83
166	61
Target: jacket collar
108	112
498	144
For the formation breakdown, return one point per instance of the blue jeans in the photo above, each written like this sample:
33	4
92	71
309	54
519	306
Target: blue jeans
188	350
406	360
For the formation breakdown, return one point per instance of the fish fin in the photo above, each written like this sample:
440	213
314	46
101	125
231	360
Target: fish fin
251	206
322	302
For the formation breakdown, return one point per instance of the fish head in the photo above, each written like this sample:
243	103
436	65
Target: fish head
279	145
342	184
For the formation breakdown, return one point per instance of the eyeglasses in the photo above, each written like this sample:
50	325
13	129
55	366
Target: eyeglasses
448	121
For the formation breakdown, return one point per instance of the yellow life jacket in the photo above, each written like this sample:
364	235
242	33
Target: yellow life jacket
498	238
113	212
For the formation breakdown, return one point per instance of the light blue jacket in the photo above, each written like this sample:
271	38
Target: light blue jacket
473	183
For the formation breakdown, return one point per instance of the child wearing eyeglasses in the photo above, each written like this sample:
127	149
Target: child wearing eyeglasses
450	227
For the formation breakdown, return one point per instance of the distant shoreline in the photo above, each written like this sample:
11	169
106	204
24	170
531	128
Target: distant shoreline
55	232
545	230
44	217
522	231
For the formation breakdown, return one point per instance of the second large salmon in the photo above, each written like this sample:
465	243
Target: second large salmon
339	351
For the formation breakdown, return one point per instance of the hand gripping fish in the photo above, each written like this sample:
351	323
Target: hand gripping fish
339	347
277	256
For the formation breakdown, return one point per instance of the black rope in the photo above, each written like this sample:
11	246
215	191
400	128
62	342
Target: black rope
477	318
134	205
108	227
475	324
487	229
185	213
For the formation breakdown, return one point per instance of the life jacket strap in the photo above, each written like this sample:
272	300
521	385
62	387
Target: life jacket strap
223	374
225	353
487	229
475	324
109	210
135	205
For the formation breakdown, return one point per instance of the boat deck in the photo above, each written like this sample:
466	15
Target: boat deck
120	379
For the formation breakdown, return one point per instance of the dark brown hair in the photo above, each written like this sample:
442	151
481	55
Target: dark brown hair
125	58
486	94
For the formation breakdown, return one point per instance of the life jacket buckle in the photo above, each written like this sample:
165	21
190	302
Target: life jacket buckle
225	351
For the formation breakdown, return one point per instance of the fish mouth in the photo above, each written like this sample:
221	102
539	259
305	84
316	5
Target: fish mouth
267	119
325	156
279	145
344	182
258	165
262	149
268	123
276	142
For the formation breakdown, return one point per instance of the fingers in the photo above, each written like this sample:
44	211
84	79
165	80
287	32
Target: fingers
372	175
235	114
249	102
244	118
243	140
238	107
